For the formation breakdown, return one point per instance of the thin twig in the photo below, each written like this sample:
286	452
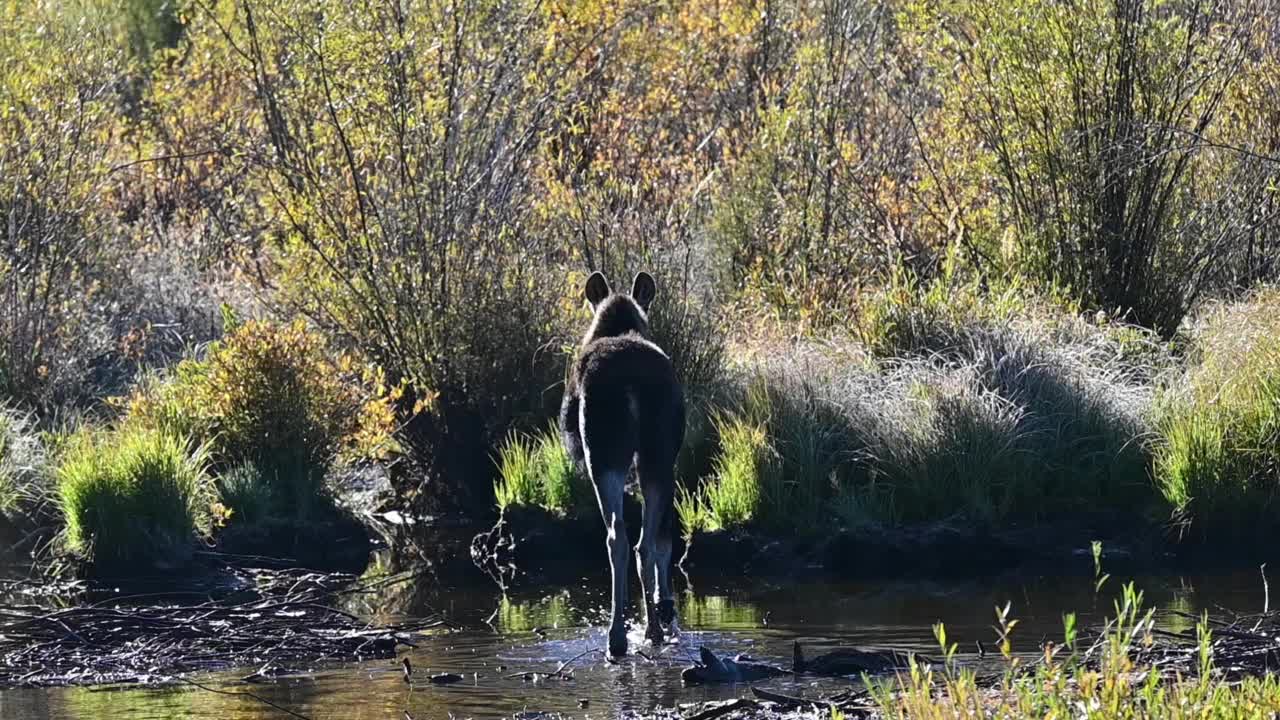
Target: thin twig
246	693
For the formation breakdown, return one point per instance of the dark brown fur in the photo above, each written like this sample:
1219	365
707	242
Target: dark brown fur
624	406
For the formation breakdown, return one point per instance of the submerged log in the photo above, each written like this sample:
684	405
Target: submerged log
837	663
850	661
713	669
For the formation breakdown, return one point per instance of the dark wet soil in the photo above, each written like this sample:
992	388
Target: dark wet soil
532	545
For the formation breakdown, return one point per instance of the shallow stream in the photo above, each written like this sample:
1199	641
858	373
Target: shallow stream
497	640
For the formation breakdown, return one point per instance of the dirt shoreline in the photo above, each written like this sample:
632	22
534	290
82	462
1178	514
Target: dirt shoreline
533	545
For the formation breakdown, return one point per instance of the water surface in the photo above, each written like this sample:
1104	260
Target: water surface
498	639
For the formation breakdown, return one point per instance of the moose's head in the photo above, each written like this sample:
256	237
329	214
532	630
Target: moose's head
619	313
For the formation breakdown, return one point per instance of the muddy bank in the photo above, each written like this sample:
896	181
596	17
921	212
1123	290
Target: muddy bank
335	542
280	622
533	545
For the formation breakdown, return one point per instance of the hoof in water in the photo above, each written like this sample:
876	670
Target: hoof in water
618	644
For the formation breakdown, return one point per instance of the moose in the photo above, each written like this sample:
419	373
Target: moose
623	407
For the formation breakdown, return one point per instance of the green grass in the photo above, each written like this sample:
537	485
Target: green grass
780	446
8	484
1218	462
1007	415
1105	680
133	498
247	494
691	511
536	470
744	472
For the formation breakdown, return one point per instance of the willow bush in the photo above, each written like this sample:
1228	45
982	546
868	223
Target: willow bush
1104	131
396	170
59	118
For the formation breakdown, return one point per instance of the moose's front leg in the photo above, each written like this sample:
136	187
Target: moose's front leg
609	490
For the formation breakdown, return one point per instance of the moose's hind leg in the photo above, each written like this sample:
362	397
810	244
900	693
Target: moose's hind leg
647	567
658	483
610	486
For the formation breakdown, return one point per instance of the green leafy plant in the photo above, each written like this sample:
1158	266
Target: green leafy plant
745	471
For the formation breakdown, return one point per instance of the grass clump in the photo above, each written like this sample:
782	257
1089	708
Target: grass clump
1011	433
247	493
989	418
268	396
1000	408
134	496
1218	462
536	470
744	472
780	446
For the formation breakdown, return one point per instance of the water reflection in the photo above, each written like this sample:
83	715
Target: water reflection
500	638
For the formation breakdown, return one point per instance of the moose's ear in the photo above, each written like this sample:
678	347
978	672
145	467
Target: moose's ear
644	289
597	288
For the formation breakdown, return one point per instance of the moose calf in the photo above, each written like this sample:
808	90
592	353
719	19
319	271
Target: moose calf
623	406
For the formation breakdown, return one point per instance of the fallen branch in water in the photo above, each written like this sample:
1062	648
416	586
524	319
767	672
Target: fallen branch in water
559	671
286	625
724	708
247	694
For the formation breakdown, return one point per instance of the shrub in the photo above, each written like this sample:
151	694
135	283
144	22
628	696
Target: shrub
151	25
536	470
57	255
133	496
1100	134
1218	462
429	267
815	191
267	396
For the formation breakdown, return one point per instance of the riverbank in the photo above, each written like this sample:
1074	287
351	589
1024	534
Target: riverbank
531	546
974	442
